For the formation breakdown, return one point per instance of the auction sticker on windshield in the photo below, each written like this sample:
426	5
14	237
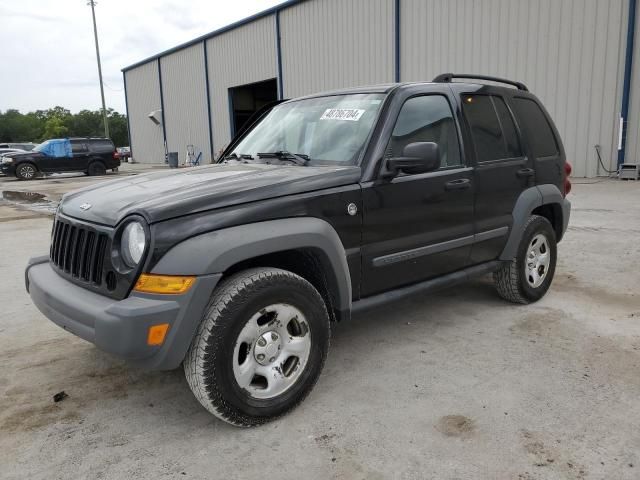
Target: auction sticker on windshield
352	114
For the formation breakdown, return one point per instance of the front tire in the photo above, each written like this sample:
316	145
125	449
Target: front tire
528	276
260	347
26	171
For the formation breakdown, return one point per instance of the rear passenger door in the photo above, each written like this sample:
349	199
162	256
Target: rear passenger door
503	171
80	156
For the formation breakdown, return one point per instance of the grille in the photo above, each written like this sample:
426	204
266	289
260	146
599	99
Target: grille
78	250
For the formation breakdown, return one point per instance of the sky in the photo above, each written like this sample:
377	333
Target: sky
47	51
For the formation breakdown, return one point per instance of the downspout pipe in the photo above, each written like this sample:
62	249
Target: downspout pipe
164	128
279	56
397	40
626	88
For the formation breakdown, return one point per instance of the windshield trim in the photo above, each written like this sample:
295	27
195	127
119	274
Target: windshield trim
358	161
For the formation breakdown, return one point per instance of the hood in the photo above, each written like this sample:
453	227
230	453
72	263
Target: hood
167	194
22	155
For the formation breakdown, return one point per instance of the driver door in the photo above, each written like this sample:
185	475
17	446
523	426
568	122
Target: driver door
419	226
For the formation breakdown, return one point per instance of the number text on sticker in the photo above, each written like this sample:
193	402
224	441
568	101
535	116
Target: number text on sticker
352	114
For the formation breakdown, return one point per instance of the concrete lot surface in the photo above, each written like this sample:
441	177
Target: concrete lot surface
455	385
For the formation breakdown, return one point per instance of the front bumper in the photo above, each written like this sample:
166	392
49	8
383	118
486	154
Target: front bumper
8	168
120	327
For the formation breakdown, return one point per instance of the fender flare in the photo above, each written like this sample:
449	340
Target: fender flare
527	202
215	252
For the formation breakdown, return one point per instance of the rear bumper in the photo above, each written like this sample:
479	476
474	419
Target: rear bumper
566	213
120	327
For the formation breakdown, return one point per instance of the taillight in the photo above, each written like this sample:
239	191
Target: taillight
116	155
567	182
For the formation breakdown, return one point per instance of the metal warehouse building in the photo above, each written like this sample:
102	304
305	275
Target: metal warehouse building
578	56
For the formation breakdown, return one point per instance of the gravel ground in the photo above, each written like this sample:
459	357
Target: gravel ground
455	385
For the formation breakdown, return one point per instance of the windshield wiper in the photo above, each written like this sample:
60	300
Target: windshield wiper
297	158
235	156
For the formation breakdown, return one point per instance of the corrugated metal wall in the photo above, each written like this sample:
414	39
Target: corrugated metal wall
633	127
143	97
185	102
239	57
330	44
569	53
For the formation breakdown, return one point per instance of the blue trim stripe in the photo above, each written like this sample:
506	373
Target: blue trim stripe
206	79
279	56
397	39
628	66
232	124
257	16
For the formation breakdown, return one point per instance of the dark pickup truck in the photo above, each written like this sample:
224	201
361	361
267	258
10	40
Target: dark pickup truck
324	206
93	156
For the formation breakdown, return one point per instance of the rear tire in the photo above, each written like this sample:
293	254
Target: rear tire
26	171
528	276
96	168
260	347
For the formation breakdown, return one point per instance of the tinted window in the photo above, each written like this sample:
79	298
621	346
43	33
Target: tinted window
536	127
101	146
427	119
492	128
512	142
78	147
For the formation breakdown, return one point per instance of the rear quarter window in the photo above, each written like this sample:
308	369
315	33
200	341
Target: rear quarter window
101	146
536	127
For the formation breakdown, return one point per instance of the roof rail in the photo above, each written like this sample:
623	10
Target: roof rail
448	77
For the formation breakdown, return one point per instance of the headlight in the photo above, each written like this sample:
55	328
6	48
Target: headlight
7	160
132	244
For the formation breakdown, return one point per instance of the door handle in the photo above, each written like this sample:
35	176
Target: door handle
525	172
459	184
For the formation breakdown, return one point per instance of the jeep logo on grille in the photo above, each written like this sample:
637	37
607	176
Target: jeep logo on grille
85	206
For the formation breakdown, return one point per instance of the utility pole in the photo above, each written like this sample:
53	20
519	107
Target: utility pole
95	34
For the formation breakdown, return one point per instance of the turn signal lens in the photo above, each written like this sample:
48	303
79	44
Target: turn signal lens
157	333
165	284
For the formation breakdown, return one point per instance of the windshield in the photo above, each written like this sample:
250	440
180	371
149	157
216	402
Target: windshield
39	148
325	129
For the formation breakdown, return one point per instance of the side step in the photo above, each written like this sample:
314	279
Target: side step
426	287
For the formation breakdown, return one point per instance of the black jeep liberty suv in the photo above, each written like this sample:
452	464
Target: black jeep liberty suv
322	206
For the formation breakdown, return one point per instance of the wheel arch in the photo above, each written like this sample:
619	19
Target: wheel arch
309	247
544	200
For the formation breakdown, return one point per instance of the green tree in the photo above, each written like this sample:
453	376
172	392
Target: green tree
55	128
59	122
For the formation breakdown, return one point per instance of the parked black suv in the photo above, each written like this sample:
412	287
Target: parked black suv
94	156
325	205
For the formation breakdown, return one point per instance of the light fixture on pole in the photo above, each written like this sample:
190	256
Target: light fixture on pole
92	3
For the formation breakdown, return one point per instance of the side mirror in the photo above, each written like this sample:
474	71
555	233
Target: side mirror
418	157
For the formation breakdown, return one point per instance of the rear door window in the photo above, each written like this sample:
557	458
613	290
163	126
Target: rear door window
492	127
536	127
78	147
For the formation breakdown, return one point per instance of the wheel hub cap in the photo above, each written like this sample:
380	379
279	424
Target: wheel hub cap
272	351
537	260
267	348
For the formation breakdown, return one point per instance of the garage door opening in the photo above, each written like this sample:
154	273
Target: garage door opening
245	100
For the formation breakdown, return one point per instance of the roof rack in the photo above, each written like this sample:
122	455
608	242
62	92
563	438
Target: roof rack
448	77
